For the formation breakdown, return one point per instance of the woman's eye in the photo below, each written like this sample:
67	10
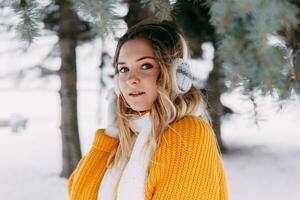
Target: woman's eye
123	69
147	66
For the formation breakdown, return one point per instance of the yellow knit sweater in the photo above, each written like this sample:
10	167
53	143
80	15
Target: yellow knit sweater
187	165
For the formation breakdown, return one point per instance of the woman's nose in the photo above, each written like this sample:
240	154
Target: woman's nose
133	78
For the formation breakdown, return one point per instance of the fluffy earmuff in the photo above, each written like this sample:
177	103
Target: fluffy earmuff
183	78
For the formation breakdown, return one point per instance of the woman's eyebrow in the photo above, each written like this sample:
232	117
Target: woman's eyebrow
144	57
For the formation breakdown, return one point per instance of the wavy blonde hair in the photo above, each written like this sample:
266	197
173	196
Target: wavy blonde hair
169	106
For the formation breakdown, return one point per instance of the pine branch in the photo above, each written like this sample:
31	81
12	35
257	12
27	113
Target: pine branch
45	71
29	19
161	8
246	29
98	12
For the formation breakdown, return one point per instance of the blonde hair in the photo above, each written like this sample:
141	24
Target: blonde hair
169	106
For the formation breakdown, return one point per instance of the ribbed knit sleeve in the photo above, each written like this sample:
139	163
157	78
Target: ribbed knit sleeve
85	180
187	165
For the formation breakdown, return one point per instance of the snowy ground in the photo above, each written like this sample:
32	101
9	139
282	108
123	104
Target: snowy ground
263	163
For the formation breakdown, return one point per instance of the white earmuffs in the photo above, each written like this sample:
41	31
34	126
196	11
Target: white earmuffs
182	75
183	78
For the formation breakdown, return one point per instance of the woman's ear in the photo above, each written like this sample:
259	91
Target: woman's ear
116	85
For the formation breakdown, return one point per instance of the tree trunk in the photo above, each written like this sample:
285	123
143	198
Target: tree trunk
214	91
67	33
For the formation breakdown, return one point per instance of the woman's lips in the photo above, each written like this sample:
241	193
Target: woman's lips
136	94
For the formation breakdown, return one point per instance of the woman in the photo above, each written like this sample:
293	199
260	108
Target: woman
158	144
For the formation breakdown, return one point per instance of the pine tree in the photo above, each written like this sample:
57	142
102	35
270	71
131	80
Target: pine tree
242	32
62	17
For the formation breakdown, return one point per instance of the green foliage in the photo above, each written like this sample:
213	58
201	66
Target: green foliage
29	21
250	34
162	8
30	15
98	12
246	29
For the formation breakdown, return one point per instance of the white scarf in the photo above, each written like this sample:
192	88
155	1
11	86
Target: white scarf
134	177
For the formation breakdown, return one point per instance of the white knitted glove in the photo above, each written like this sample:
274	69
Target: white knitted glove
111	128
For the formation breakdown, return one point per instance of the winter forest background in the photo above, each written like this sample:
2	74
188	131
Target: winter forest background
55	69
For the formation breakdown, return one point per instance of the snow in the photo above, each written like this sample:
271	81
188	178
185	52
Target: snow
262	162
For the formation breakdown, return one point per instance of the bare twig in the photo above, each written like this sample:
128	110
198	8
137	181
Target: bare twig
45	71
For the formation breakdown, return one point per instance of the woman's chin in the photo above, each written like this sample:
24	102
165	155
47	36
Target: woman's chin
139	108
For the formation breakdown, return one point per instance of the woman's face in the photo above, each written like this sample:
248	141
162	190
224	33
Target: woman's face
138	71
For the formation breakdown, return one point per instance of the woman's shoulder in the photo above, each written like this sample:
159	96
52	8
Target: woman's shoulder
190	124
187	139
190	119
189	130
104	142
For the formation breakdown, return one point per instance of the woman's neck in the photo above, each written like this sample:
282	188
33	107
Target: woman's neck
141	113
